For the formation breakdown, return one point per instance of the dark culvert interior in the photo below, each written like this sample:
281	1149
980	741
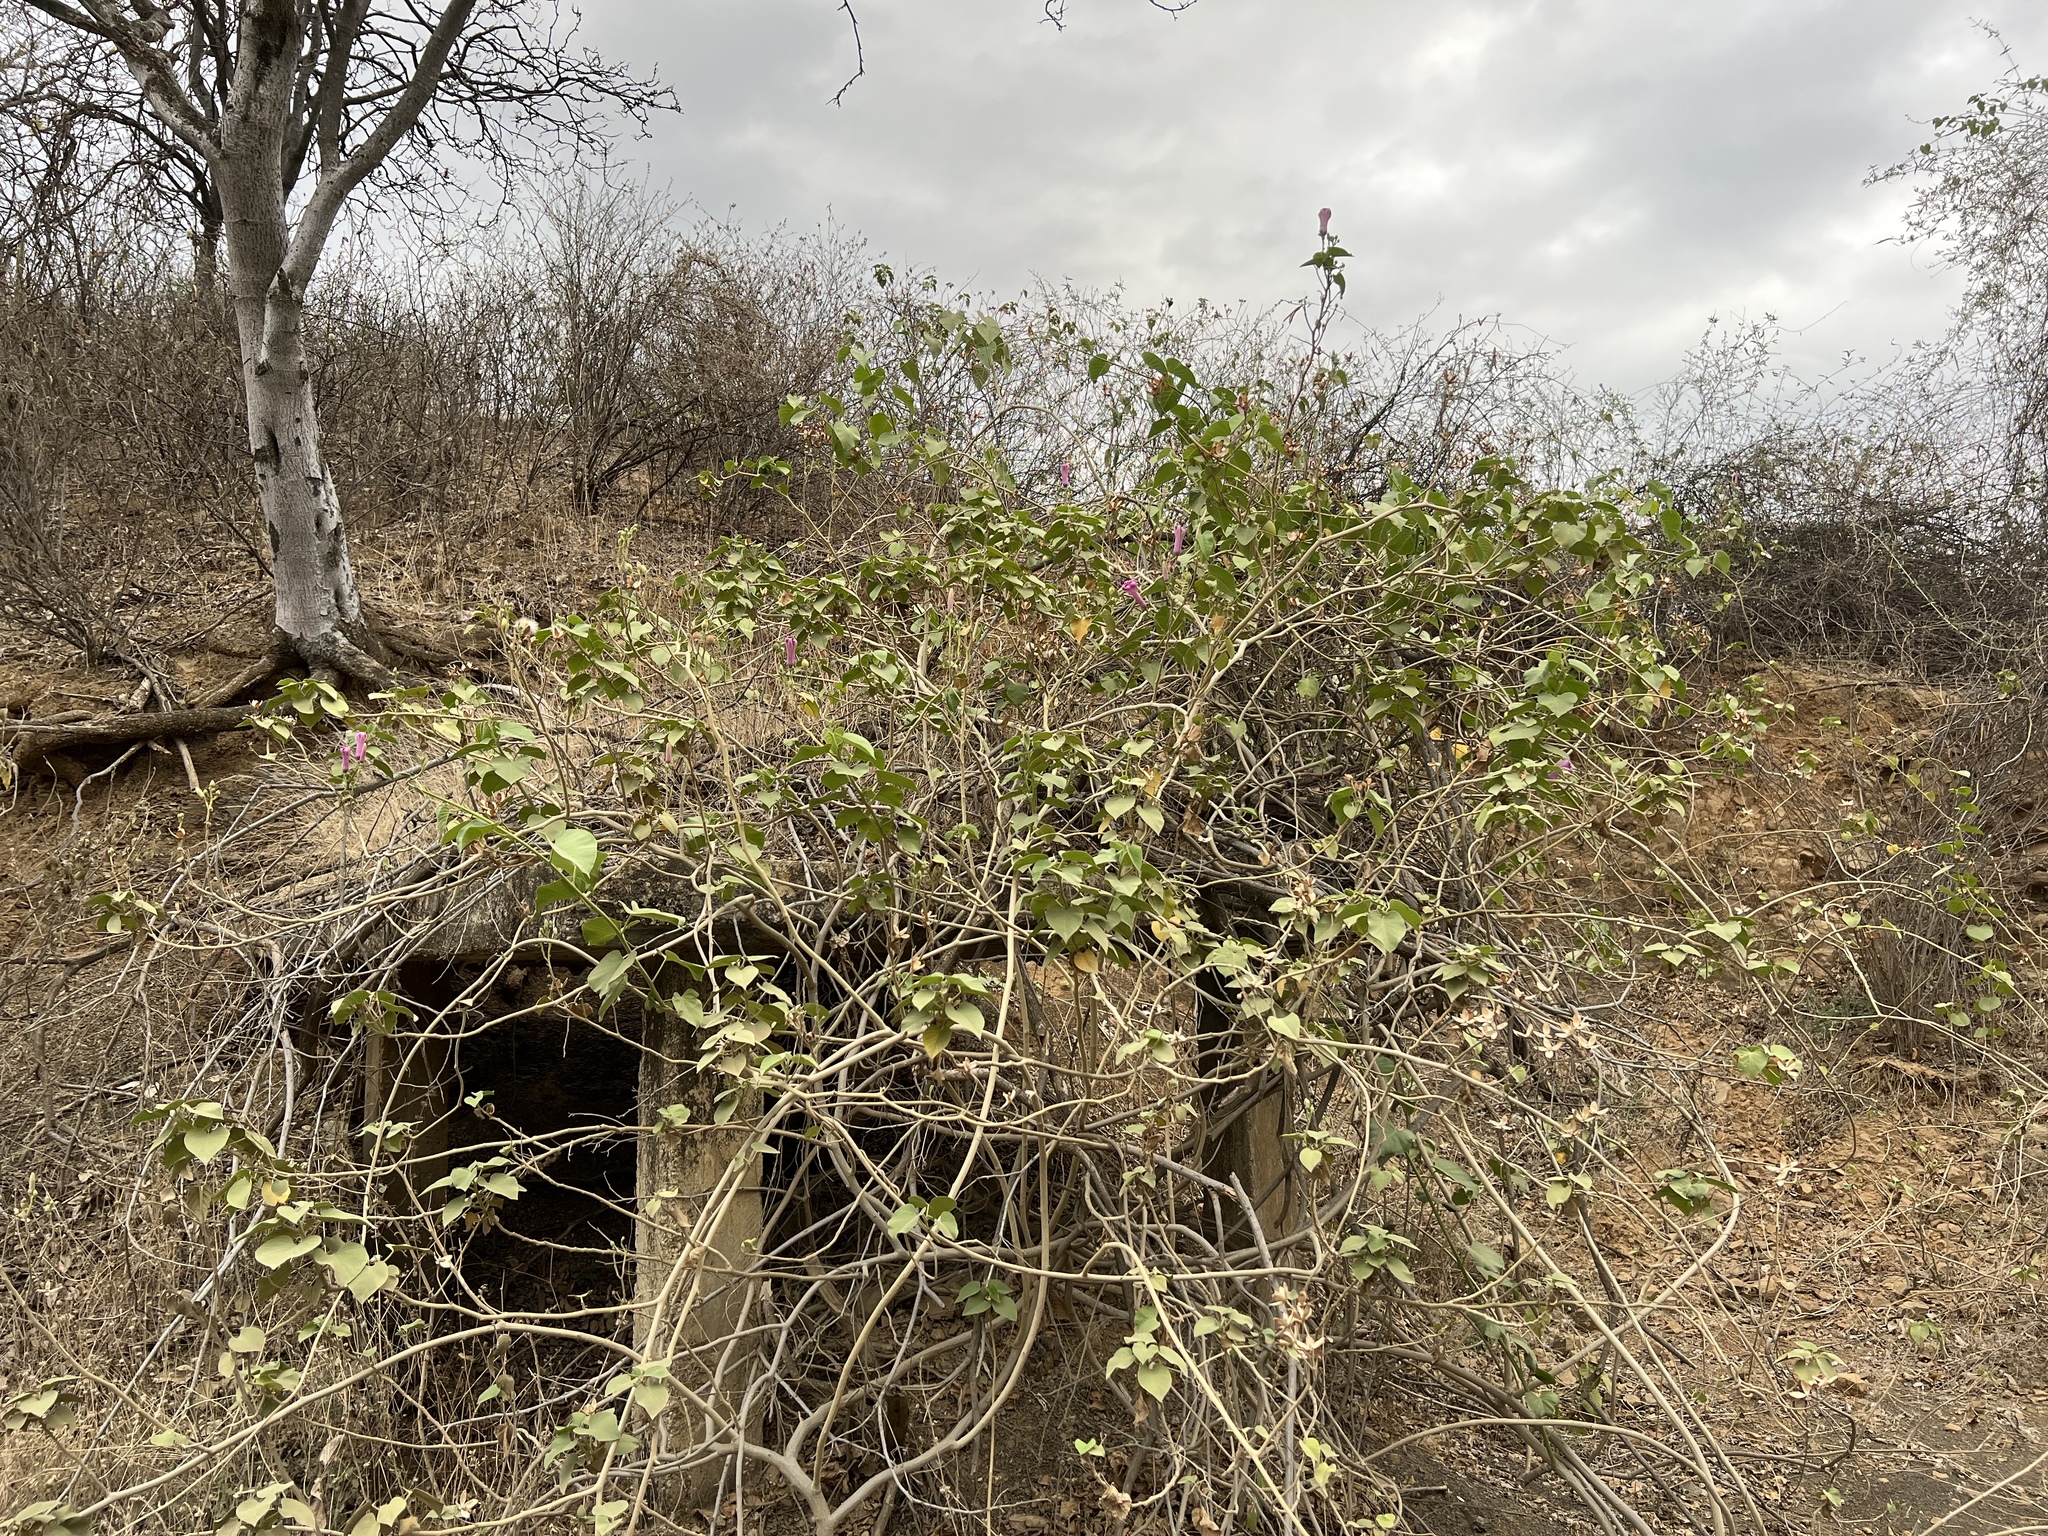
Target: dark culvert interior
572	1086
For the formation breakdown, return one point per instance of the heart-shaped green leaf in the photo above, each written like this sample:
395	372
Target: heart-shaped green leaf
576	852
205	1142
286	1246
1386	930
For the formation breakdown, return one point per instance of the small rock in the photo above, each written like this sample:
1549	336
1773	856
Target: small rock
1898	1285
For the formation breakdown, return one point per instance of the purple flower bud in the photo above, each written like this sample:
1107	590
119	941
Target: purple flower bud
1066	475
1180	534
355	747
789	650
1323	222
1564	764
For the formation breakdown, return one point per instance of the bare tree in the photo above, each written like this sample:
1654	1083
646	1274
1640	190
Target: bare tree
1981	177
77	150
292	106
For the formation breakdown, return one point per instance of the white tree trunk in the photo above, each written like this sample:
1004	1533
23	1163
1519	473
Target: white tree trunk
319	613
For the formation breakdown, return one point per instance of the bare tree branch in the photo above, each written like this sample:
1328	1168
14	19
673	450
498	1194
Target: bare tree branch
860	59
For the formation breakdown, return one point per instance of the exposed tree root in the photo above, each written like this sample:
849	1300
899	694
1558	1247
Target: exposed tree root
254	675
336	654
35	743
461	642
335	657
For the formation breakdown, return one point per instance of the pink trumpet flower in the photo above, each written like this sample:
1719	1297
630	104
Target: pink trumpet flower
1180	534
1066	475
1129	588
789	650
1323	222
355	747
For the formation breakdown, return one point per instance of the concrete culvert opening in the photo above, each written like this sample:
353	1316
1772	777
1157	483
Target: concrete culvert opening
561	1091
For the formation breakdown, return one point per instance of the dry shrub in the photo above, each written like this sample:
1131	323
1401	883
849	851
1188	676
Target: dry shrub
1999	740
591	365
1919	589
1883	529
1961	818
50	583
1913	963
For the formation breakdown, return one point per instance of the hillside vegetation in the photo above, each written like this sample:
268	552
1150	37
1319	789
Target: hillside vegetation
1035	916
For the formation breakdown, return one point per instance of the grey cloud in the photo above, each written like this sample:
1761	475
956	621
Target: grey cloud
1606	172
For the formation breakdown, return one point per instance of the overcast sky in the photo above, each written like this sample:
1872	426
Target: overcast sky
1608	173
